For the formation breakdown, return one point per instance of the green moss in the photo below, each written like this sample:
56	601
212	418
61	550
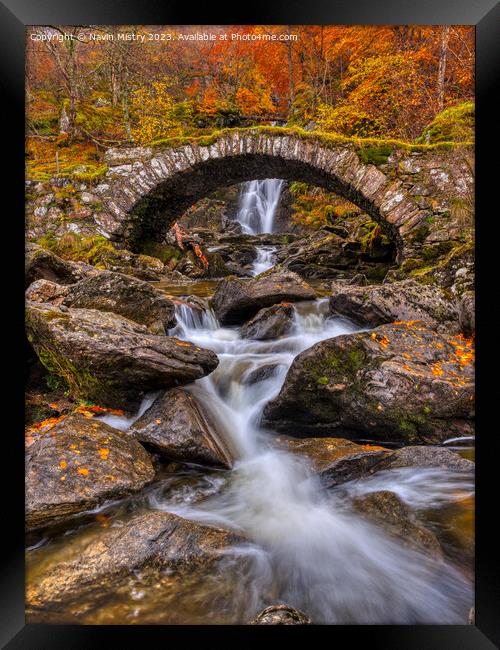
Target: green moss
73	246
419	234
411	264
322	380
374	155
164	252
454	124
79	381
321	137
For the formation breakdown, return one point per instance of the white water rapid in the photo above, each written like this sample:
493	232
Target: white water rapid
307	545
264	259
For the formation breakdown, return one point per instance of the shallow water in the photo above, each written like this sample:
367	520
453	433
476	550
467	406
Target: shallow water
307	546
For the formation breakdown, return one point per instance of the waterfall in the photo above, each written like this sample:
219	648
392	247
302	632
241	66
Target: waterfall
258	203
311	548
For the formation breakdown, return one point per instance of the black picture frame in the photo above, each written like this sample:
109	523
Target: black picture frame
485	15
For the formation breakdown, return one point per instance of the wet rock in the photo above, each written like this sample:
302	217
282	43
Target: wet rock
176	426
235	300
281	615
43	264
320	255
123	295
237	258
397	382
78	465
466	313
260	374
46	291
407	300
387	510
108	359
269	323
335	460
143	267
144	549
426	456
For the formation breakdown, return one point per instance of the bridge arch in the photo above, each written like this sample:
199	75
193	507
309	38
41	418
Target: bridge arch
147	188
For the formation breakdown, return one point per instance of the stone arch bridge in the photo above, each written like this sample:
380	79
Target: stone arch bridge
409	191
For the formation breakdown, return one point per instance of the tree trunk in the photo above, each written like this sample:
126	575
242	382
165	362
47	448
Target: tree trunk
291	71
445	36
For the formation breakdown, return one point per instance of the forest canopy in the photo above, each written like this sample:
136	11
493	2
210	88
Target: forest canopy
84	95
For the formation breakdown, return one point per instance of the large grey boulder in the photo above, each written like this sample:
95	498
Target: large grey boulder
236	300
399	301
269	323
43	264
149	550
80	464
177	427
397	382
123	295
108	359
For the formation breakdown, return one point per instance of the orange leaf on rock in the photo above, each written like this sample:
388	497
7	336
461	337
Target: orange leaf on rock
103	453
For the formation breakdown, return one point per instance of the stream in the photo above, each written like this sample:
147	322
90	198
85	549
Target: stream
307	546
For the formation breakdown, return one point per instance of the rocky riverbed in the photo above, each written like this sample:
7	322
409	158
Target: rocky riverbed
221	451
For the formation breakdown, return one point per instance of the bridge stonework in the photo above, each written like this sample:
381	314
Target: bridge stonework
147	188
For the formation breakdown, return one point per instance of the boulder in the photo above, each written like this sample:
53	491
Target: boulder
143	267
426	456
398	382
108	359
236	300
148	549
406	300
237	258
46	291
123	295
387	510
43	264
176	426
269	323
321	255
466	313
281	615
78	465
335	460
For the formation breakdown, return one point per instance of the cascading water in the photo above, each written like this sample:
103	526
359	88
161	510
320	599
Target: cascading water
258	203
310	548
264	259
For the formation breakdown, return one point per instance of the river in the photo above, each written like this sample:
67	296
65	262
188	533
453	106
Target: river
307	546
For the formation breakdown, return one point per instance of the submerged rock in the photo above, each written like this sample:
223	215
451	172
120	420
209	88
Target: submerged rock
78	465
109	359
335	460
281	615
400	381
147	549
236	300
269	323
176	426
399	301
123	295
388	511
